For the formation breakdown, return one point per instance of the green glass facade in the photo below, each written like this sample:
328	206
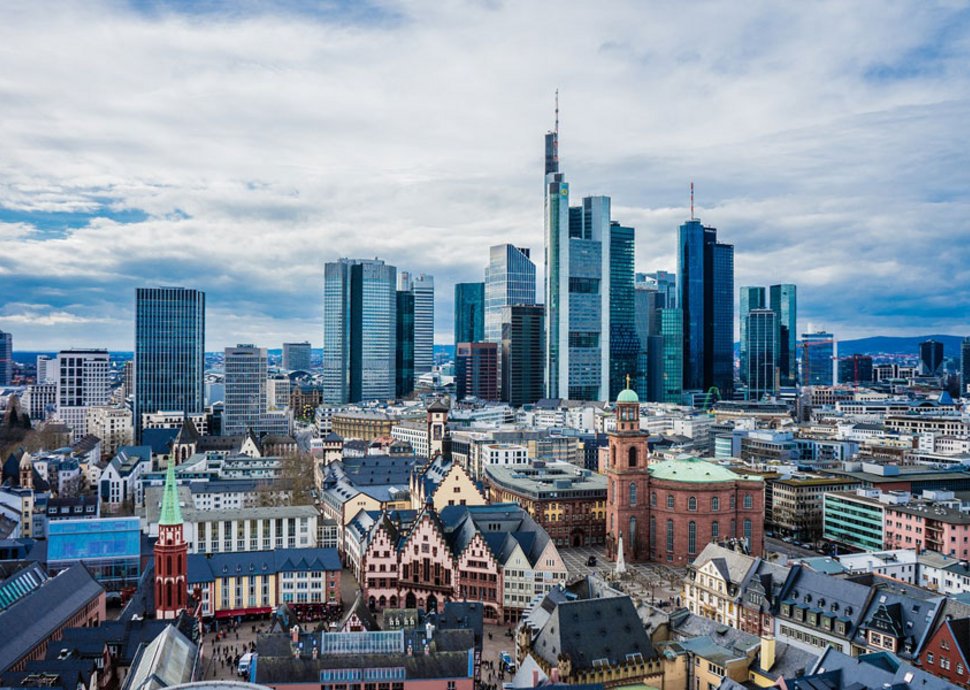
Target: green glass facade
624	343
404	350
749	298
469	312
854	521
672	333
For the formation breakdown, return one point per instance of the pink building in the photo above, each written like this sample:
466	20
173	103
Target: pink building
927	526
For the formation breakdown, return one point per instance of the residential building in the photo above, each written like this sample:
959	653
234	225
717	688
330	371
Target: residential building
510	279
819	353
476	370
45	369
947	652
713	586
112	425
296	356
82	382
783	301
834	670
119	484
40	400
470	312
360	329
443	483
760	596
761	354
169	352
705	268
523	354
928	525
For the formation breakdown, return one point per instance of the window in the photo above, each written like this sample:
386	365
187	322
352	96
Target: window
670	535
715	504
715	531
692	504
692	537
748	501
653	499
670	500
747	532
633	493
632	456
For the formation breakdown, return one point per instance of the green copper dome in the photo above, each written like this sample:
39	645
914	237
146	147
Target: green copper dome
171	512
627	396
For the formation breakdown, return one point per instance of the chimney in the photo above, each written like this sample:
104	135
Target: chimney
767	652
535	677
554	674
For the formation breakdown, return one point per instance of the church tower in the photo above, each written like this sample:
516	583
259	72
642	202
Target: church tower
171	554
627	482
437	421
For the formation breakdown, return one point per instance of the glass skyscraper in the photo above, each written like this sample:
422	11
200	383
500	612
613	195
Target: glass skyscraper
245	379
510	278
818	358
422	286
665	283
706	297
761	334
649	378
169	351
296	356
672	333
360	330
404	353
624	342
523	354
784	303
964	366
6	358
750	298
930	357
470	311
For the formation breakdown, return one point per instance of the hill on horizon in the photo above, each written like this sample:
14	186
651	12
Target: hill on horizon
902	345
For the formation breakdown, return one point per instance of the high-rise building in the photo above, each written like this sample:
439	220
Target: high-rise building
510	278
45	369
296	356
818	358
855	369
404	350
964	366
476	371
245	403
169	351
523	354
665	283
750	298
672	334
930	357
470	312
422	287
647	301
624	343
82	382
6	358
706	297
761	335
360	330
784	302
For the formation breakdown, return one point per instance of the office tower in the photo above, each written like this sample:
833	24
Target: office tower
783	301
128	379
761	334
818	355
6	358
665	283
422	287
476	371
523	354
359	331
930	357
855	369
470	312
45	369
245	379
404	351
82	382
296	356
510	278
706	297
624	343
964	366
169	351
647	301
750	298
672	333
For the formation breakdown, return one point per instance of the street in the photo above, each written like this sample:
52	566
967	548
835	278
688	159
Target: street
649	582
773	545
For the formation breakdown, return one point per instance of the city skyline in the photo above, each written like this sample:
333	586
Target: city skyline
826	162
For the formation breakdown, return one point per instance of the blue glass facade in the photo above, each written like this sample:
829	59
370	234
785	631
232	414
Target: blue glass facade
784	302
510	278
169	351
818	355
470	311
110	548
672	334
761	333
6	358
624	340
404	353
750	298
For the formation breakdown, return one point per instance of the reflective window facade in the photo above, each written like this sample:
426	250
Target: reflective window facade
624	341
245	379
470	311
672	334
761	333
784	302
510	278
523	354
749	298
818	354
6	358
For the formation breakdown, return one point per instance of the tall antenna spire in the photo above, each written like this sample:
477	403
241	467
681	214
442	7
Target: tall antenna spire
692	199
557	111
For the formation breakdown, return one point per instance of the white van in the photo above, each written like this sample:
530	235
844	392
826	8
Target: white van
244	661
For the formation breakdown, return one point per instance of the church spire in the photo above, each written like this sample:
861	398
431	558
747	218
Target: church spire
171	512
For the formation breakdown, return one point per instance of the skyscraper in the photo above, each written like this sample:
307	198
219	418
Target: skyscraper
647	301
510	278
169	351
855	369
706	297
930	357
665	283
422	286
750	298
761	333
82	382
470	312
245	379
360	330
672	333
404	350
624	343
523	354
296	356
784	303
964	366
6	358
818	358
476	371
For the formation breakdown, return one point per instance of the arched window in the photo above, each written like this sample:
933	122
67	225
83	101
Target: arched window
715	504
670	535
632	456
692	504
653	533
691	537
748	501
670	500
653	498
633	493
715	531
633	535
613	455
747	532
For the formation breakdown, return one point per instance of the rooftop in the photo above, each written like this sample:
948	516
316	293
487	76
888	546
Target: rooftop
690	469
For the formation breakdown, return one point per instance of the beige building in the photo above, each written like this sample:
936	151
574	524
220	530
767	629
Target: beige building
448	484
113	425
712	588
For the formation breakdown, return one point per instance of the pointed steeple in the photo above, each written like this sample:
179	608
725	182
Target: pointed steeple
171	512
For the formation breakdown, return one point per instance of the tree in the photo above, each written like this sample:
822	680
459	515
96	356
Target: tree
293	484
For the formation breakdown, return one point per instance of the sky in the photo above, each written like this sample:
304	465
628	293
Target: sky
236	147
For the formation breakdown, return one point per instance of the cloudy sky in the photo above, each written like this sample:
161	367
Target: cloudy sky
237	147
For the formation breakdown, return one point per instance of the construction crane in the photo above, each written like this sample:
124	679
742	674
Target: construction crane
713	395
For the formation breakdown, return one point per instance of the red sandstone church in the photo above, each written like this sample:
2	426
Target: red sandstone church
668	511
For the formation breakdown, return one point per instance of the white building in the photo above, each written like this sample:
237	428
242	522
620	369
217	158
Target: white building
113	425
943	574
120	481
415	433
173	419
278	393
503	455
82	382
40	399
